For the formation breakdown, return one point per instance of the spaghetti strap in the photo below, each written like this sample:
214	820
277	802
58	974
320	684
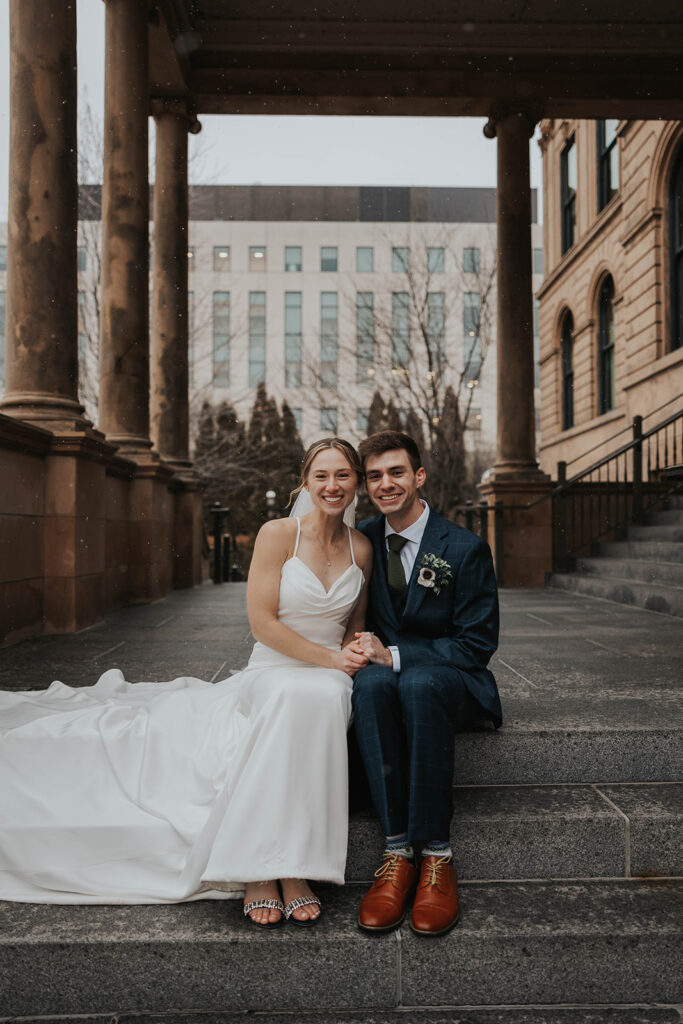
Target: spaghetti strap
353	557
298	535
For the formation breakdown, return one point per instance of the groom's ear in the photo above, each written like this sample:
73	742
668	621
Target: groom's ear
420	476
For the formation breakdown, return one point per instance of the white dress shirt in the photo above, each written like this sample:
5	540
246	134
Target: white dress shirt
413	536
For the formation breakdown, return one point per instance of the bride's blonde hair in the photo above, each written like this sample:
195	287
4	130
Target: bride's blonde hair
326	443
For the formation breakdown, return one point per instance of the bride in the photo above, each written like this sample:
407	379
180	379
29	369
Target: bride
165	792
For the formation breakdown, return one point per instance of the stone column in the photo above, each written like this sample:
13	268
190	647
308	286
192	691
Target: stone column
169	337
124	318
42	311
516	479
516	443
169	401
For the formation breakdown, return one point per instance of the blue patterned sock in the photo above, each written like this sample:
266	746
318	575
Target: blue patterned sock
399	844
437	848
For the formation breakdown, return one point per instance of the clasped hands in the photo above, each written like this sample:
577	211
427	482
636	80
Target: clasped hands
364	648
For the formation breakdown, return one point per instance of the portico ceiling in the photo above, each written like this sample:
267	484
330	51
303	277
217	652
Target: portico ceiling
554	58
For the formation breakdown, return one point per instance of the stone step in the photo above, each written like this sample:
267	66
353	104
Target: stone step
671	533
543	832
655	597
666	517
517	944
576	1014
652	550
633	569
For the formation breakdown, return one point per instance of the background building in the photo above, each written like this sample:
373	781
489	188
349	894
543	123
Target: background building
327	295
611	304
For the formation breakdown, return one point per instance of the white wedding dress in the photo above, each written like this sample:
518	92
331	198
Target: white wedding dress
164	792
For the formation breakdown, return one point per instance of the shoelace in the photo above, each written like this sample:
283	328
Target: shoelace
434	868
388	869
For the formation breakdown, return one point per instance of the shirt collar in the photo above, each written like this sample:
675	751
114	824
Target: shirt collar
415	530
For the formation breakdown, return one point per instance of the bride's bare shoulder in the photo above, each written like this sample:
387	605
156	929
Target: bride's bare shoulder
277	534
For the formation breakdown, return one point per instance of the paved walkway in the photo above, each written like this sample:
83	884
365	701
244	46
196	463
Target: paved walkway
565	662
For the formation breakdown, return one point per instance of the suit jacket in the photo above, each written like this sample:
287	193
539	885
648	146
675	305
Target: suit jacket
457	627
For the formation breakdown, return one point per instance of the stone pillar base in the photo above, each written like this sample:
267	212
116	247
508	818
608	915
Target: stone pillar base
187	534
527	532
47	411
74	531
150	532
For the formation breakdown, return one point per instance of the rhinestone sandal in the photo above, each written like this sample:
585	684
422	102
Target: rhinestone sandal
270	904
302	901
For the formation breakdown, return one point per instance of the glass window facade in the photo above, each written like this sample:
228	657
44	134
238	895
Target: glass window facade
567	346
82	334
471	259
676	253
190	338
298	417
537	267
328	258
568	184
257	338
365	337
436	260
221	339
328	419
362	415
400	259
293	259
293	339
365	259
436	326
606	346
608	161
471	336
257	258
2	339
81	257
221	257
400	331
329	338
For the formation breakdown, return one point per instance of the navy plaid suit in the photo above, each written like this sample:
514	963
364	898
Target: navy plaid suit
405	722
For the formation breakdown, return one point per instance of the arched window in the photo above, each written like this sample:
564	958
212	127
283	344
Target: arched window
606	346
676	252
567	371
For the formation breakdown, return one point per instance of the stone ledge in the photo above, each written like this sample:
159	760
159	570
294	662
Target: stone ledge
523	944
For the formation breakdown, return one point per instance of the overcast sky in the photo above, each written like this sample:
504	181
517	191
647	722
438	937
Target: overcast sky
293	150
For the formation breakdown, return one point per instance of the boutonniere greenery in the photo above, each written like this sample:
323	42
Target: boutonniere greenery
435	573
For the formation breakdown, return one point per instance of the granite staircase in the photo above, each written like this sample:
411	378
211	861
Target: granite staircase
568	837
644	569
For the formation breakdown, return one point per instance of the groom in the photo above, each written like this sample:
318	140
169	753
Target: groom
433	611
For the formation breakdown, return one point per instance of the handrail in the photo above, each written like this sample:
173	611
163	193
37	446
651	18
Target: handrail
598	507
629	426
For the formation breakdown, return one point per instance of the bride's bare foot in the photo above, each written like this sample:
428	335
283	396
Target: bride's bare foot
292	889
263	891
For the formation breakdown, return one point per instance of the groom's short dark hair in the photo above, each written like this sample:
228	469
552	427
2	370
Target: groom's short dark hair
390	441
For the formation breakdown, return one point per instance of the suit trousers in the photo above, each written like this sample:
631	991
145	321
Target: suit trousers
405	724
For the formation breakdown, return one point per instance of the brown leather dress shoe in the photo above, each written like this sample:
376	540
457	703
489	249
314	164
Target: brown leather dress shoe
384	904
436	908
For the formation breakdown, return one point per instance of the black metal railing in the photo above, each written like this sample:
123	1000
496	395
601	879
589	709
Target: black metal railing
479	519
226	562
601	501
607	497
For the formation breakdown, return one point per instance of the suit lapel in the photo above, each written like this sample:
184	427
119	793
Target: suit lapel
434	542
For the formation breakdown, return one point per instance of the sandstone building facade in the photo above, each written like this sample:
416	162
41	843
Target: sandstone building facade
611	303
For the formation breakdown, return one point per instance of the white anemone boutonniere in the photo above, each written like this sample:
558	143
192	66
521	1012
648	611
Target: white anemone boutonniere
435	573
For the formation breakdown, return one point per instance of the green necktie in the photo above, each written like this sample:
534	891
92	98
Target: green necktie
395	575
